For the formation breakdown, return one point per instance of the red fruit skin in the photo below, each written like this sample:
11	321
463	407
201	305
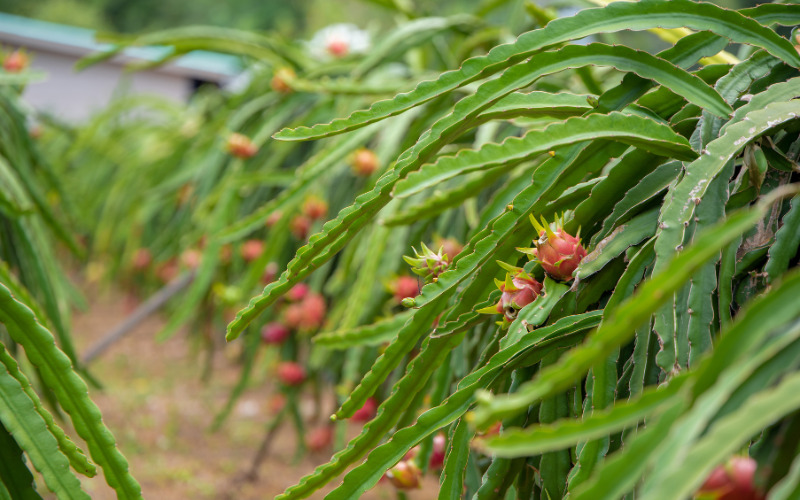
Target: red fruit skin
366	412
438	453
405	287
512	301
293	316
308	314
142	259
320	438
405	475
299	226
274	333
732	481
411	454
365	162
314	309
560	255
241	146
297	292
15	62
315	208
338	48
291	373
252	249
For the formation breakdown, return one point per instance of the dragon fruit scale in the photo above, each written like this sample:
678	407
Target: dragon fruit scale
557	251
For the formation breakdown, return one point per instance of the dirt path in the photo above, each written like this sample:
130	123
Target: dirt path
159	410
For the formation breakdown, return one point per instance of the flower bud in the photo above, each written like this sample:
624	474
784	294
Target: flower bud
364	162
16	61
282	80
428	264
315	208
299	226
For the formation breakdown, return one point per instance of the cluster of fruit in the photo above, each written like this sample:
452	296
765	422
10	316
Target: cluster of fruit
558	252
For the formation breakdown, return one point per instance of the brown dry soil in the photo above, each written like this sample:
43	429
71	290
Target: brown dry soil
159	410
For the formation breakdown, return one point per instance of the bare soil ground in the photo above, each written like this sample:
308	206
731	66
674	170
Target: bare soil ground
160	411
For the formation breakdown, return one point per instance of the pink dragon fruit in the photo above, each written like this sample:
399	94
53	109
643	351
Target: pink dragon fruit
274	333
557	251
732	481
519	289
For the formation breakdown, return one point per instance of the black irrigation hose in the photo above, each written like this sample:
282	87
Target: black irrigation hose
151	305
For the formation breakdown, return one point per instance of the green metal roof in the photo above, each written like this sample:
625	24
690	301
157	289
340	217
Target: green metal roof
81	38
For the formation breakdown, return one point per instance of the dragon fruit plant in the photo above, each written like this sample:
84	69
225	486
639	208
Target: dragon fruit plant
634	347
41	374
653	335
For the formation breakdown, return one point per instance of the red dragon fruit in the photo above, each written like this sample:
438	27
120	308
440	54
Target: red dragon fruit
404	287
297	292
274	333
308	314
519	289
731	481
366	412
557	251
438	453
291	373
251	250
319	438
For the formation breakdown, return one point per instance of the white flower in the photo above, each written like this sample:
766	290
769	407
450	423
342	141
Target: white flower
338	40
